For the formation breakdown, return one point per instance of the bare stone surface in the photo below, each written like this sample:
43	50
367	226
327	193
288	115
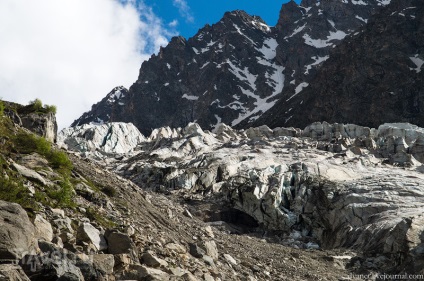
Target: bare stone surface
16	231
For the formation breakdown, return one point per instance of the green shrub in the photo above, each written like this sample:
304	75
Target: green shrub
28	143
37	105
50	108
60	161
63	195
12	190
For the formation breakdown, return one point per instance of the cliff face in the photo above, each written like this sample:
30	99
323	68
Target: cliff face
42	122
235	70
374	76
44	125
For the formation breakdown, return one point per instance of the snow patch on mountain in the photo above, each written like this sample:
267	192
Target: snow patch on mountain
244	35
116	94
418	62
317	60
269	48
296	31
298	89
320	43
383	2
361	19
243	74
188	97
358	2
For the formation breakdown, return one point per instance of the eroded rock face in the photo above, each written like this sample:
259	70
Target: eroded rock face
44	125
16	231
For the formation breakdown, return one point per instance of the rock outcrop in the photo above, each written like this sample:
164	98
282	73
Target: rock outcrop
44	125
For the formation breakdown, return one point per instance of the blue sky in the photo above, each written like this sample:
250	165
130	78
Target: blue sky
192	15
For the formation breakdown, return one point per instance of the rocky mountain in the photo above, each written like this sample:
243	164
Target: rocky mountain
235	70
329	186
374	76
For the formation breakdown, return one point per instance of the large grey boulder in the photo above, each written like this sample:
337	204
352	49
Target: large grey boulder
16	231
120	243
52	267
43	228
89	234
29	174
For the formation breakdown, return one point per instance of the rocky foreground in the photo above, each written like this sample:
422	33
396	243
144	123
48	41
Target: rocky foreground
326	187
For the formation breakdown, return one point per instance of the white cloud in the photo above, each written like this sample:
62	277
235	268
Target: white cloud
173	23
71	53
184	10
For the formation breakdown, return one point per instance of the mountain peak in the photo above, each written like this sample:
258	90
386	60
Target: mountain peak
237	69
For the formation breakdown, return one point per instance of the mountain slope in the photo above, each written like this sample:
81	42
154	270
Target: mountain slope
235	70
374	76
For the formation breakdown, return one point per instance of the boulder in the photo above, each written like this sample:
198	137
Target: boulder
34	161
176	248
51	267
16	231
196	251
85	264
152	261
43	229
29	174
141	272
211	249
120	243
230	259
103	263
89	234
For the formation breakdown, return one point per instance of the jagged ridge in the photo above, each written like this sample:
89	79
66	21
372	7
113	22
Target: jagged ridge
235	70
